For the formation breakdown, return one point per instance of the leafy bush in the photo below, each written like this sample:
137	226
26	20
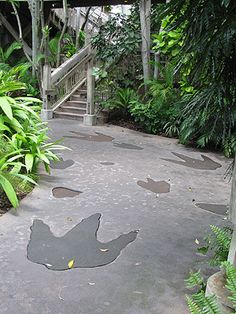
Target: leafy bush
33	143
119	37
122	100
23	138
206	65
160	114
10	172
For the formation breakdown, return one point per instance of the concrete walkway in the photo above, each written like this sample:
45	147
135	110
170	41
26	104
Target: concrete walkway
147	278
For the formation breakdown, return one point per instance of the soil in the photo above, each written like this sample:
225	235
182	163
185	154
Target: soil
129	124
7	207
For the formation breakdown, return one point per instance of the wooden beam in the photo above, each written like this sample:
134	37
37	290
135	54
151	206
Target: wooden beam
145	19
14	34
89	3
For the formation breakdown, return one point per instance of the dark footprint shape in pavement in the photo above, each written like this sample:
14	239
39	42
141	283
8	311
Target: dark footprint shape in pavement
60	192
205	164
61	164
107	163
78	248
99	137
157	187
218	209
127	146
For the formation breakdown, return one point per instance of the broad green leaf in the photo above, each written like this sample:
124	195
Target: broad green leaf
9	190
31	99
44	158
25	178
6	107
29	161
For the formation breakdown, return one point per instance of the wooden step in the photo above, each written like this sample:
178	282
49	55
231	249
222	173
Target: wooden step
76	103
67	115
79	98
73	109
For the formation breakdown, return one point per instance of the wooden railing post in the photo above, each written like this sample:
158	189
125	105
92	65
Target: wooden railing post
46	112
90	118
232	217
90	87
145	21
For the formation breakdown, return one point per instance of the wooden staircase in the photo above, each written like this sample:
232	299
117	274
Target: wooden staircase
68	91
75	107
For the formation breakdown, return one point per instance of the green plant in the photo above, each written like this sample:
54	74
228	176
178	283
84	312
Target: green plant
118	37
194	280
230	273
21	124
160	112
68	47
14	111
10	170
217	243
207	58
33	143
199	303
168	42
122	100
6	54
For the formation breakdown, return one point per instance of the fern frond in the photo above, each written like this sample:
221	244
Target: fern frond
194	279
230	272
193	307
208	304
222	236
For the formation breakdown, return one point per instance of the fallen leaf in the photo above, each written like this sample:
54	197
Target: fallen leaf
91	283
104	250
196	241
190	189
71	263
48	265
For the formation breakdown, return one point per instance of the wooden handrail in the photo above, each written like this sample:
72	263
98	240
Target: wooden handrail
69	64
60	84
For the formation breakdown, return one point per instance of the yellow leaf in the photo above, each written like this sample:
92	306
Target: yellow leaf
71	263
104	250
196	241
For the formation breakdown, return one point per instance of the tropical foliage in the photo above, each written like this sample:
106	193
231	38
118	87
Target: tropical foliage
197	40
24	143
217	243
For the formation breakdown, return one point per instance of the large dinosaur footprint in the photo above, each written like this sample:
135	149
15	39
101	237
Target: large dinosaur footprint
205	164
78	246
99	137
157	187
